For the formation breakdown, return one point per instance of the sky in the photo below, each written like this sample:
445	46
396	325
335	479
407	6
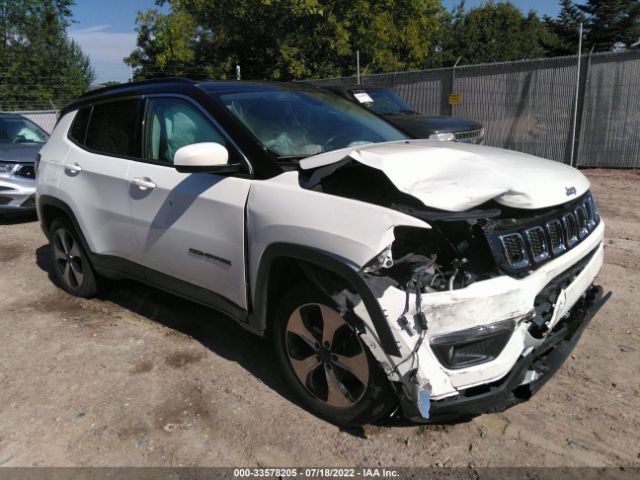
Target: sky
106	32
106	29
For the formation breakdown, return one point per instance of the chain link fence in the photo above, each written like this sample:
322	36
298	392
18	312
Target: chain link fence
45	119
529	105
526	105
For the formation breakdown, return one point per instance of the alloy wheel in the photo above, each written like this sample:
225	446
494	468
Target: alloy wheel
326	355
68	258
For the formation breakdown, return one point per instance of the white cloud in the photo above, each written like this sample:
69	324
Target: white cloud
106	50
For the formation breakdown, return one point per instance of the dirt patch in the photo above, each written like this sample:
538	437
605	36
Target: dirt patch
61	302
9	253
182	359
188	406
142	366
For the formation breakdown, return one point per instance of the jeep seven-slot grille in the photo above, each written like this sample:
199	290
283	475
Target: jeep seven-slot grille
545	237
556	237
538	243
472	136
515	249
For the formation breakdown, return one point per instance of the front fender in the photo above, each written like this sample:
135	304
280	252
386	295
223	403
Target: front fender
328	262
336	233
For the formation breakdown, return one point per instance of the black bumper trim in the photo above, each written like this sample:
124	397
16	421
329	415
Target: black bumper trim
545	359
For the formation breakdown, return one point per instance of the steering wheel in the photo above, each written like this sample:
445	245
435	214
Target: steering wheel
20	139
334	144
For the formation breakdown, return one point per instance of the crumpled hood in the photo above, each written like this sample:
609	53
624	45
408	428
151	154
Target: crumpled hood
458	176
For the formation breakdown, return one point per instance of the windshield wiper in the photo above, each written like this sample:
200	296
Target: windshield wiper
292	158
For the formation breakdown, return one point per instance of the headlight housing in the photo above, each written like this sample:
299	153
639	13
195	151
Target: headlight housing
448	136
6	168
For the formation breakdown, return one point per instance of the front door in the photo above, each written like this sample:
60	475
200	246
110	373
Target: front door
189	227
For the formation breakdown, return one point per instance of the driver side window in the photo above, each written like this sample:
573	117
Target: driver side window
172	123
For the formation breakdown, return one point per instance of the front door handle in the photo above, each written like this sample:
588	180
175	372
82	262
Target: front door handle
143	183
73	167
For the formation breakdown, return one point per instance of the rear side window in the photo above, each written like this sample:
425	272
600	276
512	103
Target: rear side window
78	130
113	128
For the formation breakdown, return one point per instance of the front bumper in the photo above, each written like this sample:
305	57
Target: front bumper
534	368
500	299
17	195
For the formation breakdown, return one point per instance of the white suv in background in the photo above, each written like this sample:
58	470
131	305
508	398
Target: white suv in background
450	279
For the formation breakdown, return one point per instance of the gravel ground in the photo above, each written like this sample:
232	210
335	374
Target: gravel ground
139	377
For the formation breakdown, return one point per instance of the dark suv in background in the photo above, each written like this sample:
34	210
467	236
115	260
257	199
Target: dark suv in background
394	109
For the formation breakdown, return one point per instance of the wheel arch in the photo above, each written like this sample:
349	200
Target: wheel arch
50	209
278	259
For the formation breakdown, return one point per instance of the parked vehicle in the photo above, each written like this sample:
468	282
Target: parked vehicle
449	278
386	103
20	141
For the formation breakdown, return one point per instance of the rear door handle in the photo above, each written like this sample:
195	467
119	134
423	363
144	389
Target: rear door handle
73	167
143	183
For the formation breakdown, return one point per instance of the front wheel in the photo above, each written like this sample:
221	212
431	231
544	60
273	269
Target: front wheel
71	267
326	362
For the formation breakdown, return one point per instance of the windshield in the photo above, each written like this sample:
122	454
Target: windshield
20	130
303	123
384	101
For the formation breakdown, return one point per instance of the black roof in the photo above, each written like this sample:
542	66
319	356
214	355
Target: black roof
353	86
176	85
11	115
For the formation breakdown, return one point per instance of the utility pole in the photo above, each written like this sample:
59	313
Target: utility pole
130	73
358	67
575	105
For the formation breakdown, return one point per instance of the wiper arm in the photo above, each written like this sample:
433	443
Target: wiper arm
289	158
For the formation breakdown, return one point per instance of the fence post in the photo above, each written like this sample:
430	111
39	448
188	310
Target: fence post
575	104
584	80
453	84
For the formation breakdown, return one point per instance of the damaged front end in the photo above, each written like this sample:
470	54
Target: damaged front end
465	327
485	304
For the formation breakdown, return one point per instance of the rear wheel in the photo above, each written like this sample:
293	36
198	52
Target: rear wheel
71	266
326	362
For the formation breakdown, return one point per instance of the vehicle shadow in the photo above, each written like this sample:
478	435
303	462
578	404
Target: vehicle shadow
17	219
215	331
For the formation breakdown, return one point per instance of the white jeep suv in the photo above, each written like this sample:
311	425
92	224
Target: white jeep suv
448	279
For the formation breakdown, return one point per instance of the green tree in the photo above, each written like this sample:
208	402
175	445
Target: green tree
611	22
495	32
565	29
40	66
287	39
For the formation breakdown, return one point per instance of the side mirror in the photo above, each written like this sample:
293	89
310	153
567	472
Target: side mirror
204	157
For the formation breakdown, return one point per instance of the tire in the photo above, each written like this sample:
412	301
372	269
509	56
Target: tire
72	269
339	381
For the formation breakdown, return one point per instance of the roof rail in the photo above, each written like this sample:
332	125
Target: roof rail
101	90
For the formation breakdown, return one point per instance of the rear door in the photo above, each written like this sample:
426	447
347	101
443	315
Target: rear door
94	182
189	227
